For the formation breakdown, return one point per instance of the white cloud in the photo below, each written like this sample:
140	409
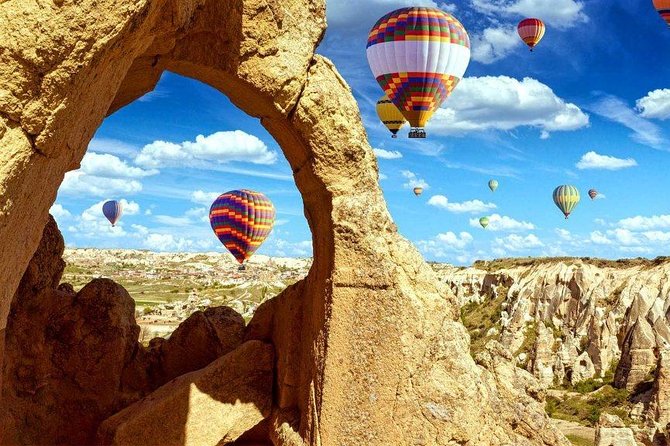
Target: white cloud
387	154
170	243
104	165
413	181
219	147
494	44
445	243
505	103
656	105
558	13
204	198
644	132
471	206
92	223
639	223
59	213
113	146
599	238
503	223
517	243
593	160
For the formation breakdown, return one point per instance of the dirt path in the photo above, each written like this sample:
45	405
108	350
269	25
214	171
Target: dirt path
577	433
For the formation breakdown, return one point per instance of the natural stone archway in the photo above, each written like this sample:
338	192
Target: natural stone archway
368	348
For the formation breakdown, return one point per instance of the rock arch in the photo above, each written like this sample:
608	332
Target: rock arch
368	348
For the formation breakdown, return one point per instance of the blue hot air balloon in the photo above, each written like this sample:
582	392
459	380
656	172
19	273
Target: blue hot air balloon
112	210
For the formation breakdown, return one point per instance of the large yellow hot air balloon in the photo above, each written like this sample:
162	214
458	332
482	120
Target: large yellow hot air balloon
418	55
531	31
663	8
390	115
566	198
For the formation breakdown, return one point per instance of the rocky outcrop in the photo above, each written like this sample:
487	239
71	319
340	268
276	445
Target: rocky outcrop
211	406
638	356
660	404
611	431
396	370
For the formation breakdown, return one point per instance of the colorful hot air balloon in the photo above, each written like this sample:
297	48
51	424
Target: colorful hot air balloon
566	198
418	55
663	8
493	185
112	209
531	31
242	220
390	115
593	194
484	221
418	191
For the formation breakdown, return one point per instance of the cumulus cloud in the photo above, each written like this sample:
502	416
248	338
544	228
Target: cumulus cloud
593	160
413	181
59	212
471	206
112	146
445	244
516	243
644	132
505	103
387	154
204	198
170	243
640	223
558	13
494	44
503	223
219	147
656	105
92	223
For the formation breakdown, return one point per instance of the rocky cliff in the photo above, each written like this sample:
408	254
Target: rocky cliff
572	320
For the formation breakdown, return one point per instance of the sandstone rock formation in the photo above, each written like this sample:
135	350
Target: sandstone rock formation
214	405
638	356
393	371
611	431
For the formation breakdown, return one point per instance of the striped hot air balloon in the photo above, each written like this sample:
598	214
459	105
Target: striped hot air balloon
112	210
418	55
390	115
531	31
566	198
242	220
663	8
493	185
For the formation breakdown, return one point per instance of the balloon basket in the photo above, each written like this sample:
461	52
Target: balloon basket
241	268
394	136
417	133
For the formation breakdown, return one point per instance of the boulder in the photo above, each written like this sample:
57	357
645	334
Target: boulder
211	406
611	431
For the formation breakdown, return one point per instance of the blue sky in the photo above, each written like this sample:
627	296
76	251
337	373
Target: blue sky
590	107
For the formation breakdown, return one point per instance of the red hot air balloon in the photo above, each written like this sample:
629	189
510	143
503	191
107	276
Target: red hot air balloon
663	8
242	220
531	31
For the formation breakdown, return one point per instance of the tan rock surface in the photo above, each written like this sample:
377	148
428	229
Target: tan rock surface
211	406
368	349
610	431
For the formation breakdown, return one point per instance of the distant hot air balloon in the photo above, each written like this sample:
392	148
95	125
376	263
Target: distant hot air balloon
566	198
531	31
390	115
112	209
418	191
418	55
484	221
242	220
663	8
493	185
593	194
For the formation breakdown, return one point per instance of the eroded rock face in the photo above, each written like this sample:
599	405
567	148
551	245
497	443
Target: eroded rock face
396	370
611	431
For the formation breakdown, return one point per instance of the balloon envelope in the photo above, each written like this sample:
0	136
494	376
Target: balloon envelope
242	220
493	185
112	209
484	221
418	55
663	8
593	194
531	31
418	191
566	198
390	115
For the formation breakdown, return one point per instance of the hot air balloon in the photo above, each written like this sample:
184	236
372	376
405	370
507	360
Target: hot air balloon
531	31
390	115
242	220
484	221
593	194
493	185
663	8
418	55
112	209
418	191
566	198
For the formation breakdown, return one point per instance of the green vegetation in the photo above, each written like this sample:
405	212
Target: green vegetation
498	264
479	318
586	408
580	441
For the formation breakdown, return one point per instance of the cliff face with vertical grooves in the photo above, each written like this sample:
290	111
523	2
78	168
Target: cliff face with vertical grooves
569	320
